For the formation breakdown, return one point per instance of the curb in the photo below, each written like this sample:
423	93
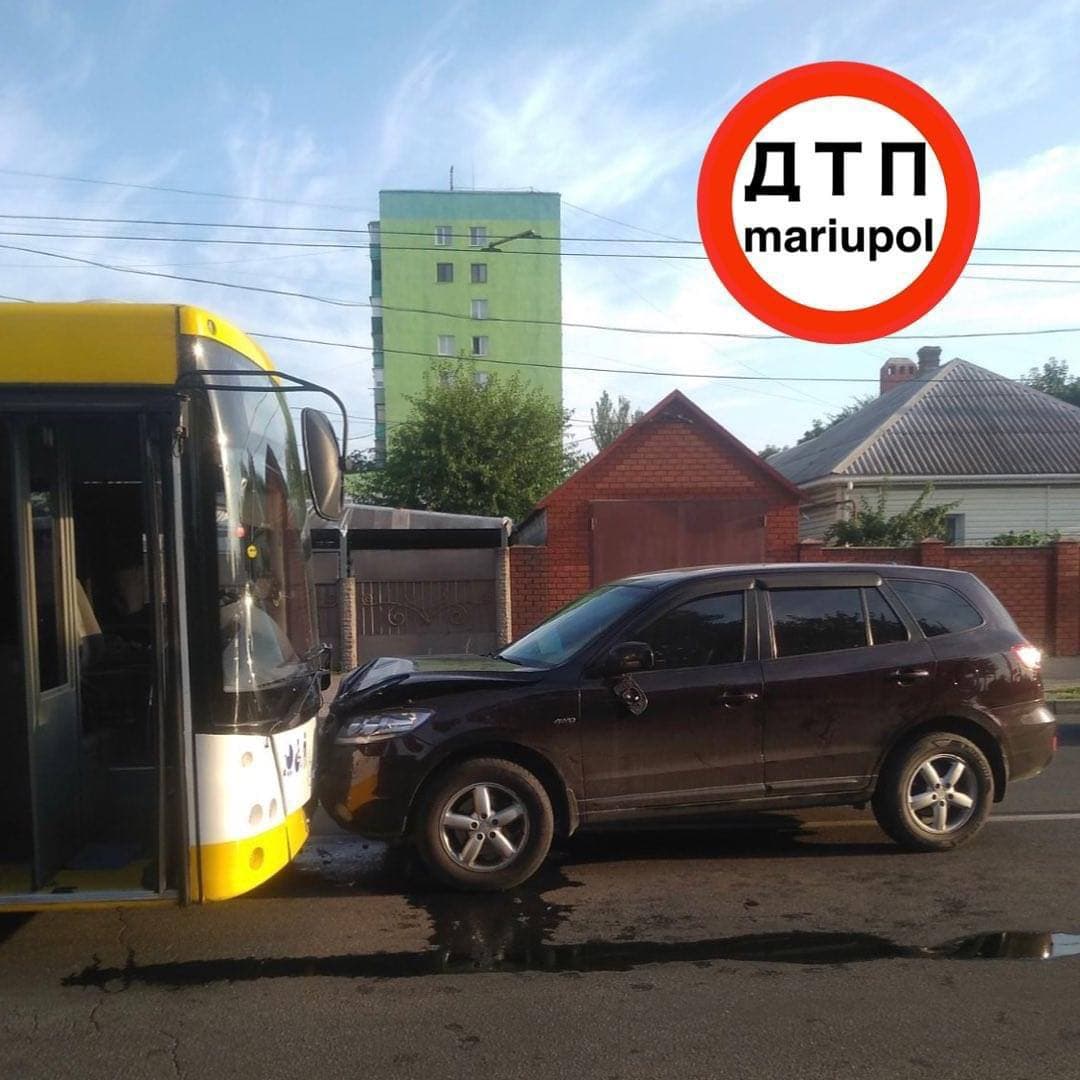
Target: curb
1067	712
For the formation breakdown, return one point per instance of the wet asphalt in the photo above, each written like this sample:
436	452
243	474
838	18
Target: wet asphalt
801	945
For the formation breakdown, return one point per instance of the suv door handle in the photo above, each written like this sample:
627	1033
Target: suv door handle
731	698
907	675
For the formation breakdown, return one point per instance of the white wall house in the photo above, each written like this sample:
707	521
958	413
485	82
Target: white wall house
1009	454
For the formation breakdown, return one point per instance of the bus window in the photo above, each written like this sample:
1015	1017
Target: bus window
266	606
48	580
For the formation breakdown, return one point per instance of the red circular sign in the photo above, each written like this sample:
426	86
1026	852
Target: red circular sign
740	128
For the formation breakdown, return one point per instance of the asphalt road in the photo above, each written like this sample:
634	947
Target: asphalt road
802	946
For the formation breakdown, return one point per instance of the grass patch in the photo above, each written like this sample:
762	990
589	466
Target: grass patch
1064	693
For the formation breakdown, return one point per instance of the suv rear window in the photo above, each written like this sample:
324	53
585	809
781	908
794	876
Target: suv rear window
937	608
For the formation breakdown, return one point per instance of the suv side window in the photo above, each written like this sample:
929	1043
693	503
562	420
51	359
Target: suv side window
708	630
886	627
937	608
817	620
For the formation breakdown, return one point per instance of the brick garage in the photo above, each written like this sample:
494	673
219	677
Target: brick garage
675	488
1039	586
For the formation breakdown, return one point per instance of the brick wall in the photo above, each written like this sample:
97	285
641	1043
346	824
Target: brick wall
1039	586
659	458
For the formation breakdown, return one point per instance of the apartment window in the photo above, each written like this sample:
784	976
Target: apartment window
479	309
477	236
479	273
482	378
446	378
444	272
446	345
444	235
480	345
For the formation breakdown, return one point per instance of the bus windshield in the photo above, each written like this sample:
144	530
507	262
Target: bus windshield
264	587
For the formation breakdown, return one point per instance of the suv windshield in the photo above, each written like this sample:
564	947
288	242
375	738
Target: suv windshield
554	641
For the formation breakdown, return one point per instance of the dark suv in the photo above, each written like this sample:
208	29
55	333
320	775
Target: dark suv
690	692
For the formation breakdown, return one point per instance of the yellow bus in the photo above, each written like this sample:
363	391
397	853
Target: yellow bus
160	674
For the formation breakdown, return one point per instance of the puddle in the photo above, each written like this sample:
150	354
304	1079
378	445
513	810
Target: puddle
513	932
509	937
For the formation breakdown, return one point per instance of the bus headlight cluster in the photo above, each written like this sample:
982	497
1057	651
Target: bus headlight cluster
382	725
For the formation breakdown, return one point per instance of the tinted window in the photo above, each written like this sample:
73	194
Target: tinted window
817	620
574	626
885	625
48	570
937	608
705	631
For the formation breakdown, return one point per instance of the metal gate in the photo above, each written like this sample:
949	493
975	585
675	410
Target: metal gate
422	603
630	536
326	602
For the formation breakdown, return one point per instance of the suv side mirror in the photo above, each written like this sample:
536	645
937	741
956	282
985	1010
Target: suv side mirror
626	658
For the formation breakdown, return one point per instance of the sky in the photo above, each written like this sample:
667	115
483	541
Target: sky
298	114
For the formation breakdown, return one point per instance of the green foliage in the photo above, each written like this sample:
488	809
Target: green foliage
608	421
364	479
471	449
769	449
1054	379
869	526
1028	538
822	425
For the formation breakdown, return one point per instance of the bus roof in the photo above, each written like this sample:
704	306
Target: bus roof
110	343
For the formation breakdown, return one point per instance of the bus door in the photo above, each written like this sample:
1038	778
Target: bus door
90	770
43	553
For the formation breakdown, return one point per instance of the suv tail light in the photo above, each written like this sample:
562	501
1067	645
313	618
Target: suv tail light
1028	655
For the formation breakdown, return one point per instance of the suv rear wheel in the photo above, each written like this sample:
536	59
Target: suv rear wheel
484	824
935	793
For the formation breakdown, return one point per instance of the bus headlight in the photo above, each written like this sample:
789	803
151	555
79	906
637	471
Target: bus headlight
382	725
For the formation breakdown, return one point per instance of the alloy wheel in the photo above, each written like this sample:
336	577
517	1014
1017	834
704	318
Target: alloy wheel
484	827
942	793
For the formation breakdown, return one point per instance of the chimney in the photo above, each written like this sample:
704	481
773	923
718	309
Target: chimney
896	371
929	358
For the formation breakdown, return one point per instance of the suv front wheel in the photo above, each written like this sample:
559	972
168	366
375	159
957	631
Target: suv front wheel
935	793
484	824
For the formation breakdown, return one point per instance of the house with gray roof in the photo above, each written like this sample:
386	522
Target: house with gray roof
1010	454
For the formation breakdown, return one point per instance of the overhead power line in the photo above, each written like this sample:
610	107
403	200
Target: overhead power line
342	229
637	330
183	191
668	373
370	233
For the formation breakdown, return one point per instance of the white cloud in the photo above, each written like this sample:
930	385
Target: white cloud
1040	197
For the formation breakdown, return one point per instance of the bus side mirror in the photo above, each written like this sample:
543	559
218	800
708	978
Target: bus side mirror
323	456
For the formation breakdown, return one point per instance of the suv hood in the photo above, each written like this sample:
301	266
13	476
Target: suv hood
429	672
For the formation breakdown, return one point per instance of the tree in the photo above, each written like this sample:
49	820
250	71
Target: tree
609	421
821	425
869	526
769	449
364	478
1054	379
467	448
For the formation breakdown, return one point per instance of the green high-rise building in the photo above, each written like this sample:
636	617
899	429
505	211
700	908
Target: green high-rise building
446	268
